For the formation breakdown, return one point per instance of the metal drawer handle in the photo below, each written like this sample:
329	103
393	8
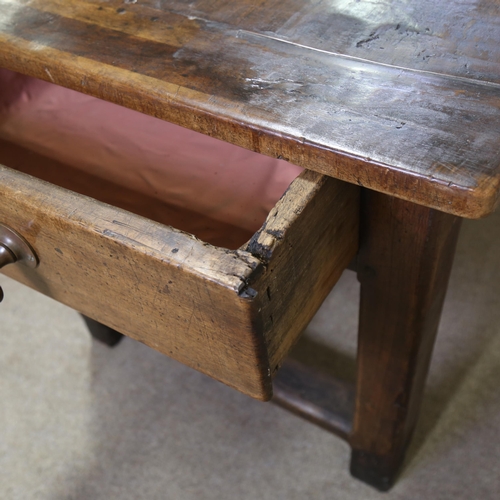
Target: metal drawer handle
14	248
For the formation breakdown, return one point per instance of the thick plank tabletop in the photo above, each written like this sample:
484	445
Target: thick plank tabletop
398	96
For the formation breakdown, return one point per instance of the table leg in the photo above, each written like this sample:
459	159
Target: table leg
404	263
102	332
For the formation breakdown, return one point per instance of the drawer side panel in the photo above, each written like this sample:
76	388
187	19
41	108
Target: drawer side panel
307	241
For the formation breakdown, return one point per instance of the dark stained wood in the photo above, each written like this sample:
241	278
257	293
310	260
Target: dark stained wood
207	307
405	258
102	333
317	397
337	87
399	97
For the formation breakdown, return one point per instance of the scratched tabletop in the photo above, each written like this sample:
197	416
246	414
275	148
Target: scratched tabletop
402	97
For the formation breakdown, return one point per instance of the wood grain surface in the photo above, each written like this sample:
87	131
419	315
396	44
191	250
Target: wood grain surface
207	307
307	241
160	286
400	97
404	263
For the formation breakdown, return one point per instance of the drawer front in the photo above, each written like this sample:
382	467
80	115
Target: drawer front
230	314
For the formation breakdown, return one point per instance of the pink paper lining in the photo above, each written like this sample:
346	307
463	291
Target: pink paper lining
185	169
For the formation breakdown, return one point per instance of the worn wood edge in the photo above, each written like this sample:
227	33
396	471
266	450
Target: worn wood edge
306	242
300	192
315	396
236	266
179	105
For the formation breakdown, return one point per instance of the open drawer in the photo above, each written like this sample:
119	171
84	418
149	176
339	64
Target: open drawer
231	314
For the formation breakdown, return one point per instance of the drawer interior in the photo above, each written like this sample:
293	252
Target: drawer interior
214	231
218	297
217	191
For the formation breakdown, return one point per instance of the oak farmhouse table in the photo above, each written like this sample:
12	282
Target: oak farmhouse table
393	109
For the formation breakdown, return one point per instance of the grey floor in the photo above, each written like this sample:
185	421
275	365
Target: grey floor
81	421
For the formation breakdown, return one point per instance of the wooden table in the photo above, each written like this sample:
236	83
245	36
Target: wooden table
401	98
